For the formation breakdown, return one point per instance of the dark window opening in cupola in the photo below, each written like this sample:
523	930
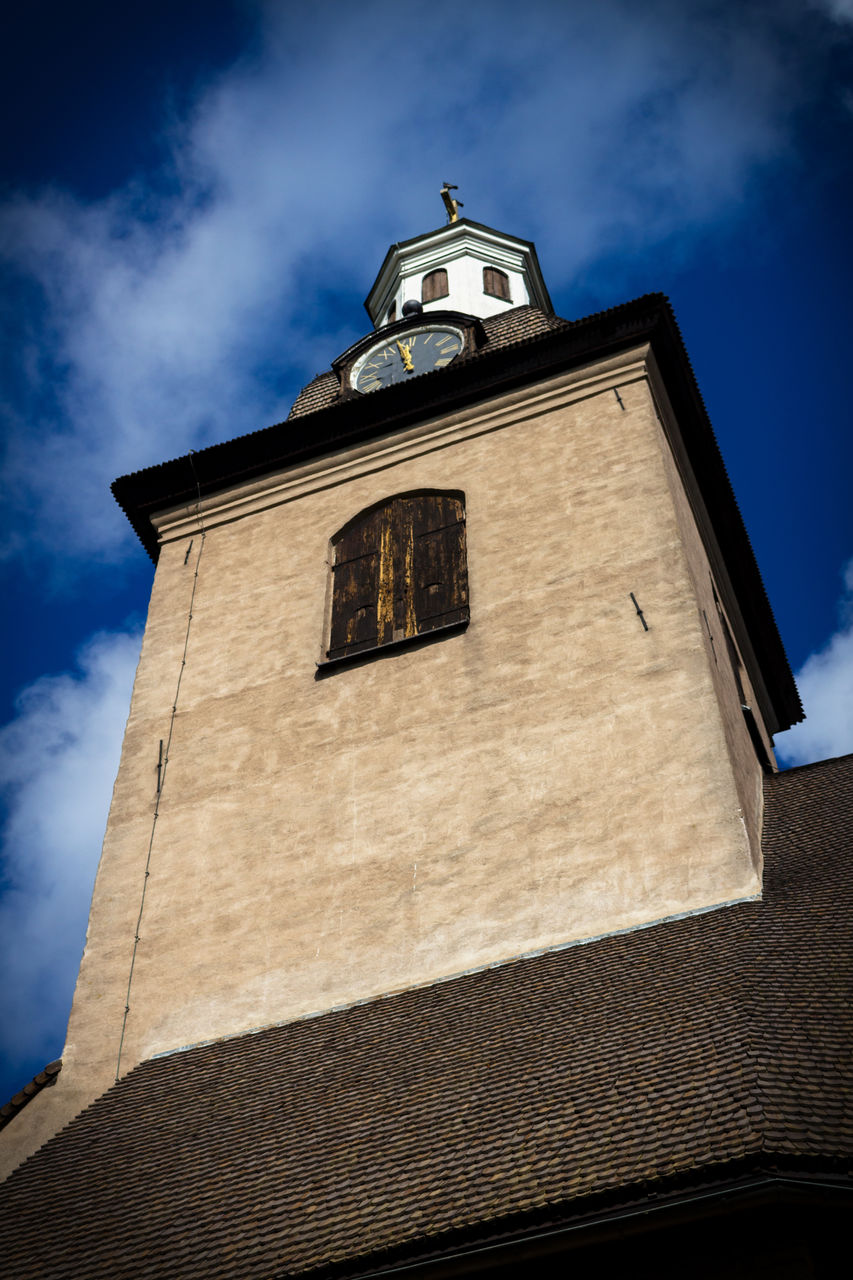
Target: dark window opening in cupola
434	285
392	313
496	283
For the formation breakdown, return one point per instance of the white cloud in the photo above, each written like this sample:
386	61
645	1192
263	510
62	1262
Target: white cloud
588	126
840	10
58	761
825	682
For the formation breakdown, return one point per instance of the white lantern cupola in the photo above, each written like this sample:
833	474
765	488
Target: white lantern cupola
463	266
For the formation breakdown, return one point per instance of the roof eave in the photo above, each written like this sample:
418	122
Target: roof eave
490	372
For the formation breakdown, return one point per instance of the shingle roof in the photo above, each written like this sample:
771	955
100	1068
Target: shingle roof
671	1055
502	330
45	1078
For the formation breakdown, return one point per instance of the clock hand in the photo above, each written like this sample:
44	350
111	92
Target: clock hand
405	356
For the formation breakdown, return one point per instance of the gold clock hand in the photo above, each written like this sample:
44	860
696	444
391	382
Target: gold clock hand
405	356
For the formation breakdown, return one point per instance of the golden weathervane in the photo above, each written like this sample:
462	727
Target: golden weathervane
452	206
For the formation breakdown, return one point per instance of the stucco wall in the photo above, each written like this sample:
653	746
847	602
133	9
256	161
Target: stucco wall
553	773
716	601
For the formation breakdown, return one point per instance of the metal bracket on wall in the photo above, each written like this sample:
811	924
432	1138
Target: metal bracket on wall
639	611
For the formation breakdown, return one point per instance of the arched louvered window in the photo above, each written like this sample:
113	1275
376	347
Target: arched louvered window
399	571
392	313
434	285
496	283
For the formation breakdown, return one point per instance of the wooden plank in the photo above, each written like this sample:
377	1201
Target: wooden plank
385	585
355	589
441	578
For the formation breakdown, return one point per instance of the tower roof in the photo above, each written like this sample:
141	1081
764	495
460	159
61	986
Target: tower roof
637	1072
524	345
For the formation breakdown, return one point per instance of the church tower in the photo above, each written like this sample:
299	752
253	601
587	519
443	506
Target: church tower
467	660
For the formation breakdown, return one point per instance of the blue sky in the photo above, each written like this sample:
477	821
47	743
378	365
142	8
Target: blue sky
196	198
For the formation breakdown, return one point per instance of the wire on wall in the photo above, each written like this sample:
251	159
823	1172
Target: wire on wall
163	761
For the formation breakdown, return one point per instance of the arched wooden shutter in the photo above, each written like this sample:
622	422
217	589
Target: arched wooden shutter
355	588
434	285
496	283
399	571
439	561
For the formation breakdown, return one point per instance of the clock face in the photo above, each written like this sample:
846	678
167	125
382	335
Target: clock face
413	352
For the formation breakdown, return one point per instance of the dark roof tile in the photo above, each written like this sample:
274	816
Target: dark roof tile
681	1051
45	1078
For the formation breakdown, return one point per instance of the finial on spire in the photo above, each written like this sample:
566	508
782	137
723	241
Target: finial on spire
452	206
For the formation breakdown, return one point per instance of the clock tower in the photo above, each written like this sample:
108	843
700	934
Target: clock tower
468	660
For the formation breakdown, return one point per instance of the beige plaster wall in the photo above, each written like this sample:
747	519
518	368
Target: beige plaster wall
709	577
552	774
